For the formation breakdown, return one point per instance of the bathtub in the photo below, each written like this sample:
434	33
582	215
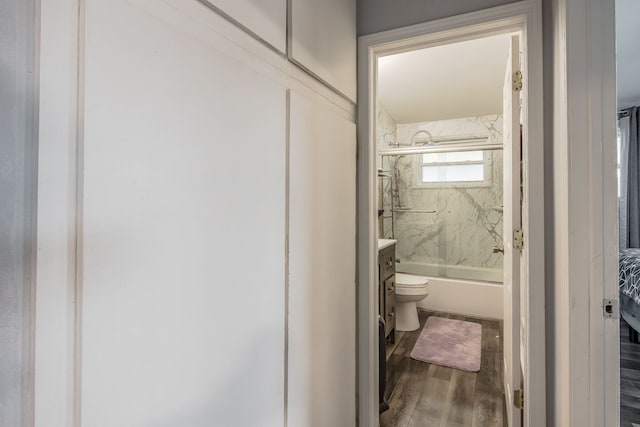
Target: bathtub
477	293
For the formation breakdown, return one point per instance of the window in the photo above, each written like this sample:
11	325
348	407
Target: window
619	149
465	167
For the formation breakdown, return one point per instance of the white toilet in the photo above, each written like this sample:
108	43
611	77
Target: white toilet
410	289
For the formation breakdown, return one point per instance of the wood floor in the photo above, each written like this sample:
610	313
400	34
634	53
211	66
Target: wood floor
629	379
422	394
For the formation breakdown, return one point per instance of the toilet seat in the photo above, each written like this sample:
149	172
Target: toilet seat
409	283
411	280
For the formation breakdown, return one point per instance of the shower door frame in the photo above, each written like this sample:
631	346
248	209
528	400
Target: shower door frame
524	18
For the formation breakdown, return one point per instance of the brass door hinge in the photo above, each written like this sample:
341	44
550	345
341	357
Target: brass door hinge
517	81
518	399
518	239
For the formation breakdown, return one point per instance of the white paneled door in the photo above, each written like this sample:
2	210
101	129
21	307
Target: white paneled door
512	221
183	228
180	179
322	236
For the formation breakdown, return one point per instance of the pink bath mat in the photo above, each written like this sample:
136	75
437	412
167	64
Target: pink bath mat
449	342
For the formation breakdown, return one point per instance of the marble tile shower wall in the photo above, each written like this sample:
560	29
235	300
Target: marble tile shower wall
385	134
467	221
386	128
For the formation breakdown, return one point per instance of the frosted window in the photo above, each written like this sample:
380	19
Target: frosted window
453	173
462	156
456	167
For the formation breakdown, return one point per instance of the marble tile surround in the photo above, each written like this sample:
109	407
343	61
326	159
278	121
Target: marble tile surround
385	129
468	220
385	134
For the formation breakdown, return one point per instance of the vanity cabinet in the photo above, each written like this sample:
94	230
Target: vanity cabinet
387	289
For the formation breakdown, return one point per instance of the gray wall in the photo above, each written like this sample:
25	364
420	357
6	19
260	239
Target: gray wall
17	206
380	15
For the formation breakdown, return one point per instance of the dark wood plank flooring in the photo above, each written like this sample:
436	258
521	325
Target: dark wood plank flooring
629	378
422	394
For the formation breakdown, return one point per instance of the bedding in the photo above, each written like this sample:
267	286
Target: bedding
629	285
629	274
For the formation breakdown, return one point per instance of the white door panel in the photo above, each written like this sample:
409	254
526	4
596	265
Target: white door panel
183	230
265	18
323	40
512	221
322	305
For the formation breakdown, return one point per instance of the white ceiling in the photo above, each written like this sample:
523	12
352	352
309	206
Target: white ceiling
456	80
628	52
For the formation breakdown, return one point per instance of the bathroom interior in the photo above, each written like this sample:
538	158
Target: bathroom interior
439	143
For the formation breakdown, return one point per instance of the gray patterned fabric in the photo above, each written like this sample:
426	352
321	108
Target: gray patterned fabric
629	273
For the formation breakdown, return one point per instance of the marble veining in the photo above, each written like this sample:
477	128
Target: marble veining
489	126
467	221
386	128
385	134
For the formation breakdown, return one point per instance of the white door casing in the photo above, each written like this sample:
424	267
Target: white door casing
511	221
525	19
585	345
322	294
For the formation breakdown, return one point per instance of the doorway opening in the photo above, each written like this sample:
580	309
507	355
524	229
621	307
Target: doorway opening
450	180
444	188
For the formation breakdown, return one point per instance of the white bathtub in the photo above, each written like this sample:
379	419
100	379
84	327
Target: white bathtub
481	297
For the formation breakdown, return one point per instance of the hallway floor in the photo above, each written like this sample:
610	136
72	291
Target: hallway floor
629	379
423	394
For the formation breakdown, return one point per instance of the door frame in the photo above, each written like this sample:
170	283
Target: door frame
526	18
584	348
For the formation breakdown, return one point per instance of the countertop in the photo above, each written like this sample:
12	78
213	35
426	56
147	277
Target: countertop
385	243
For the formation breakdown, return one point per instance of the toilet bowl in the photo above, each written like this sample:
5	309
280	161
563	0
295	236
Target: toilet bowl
410	289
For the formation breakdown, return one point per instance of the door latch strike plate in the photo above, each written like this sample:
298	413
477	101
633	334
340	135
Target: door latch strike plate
518	239
610	309
518	399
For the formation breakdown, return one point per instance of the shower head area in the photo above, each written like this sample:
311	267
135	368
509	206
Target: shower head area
440	196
